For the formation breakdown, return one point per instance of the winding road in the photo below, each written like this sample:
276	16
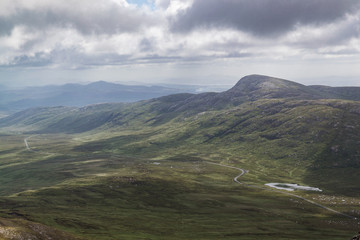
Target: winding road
243	172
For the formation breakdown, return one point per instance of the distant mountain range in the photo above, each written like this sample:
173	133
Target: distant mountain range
77	95
81	95
69	97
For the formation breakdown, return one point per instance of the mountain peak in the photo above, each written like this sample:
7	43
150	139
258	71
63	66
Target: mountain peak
265	82
102	84
255	86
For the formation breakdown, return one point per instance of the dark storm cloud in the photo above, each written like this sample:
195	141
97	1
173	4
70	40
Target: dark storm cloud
261	17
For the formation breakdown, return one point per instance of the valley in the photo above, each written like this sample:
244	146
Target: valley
188	165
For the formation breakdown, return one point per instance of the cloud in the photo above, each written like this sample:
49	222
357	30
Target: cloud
40	32
261	17
162	3
87	17
79	34
333	34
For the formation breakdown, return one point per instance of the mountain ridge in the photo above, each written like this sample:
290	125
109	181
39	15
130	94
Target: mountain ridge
248	89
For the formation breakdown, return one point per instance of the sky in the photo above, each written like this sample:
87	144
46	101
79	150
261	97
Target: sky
202	42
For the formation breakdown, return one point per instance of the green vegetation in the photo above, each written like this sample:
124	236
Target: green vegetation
140	170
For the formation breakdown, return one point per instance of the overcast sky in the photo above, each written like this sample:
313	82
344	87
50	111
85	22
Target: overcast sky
179	41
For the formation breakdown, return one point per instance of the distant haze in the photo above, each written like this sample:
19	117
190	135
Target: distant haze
200	42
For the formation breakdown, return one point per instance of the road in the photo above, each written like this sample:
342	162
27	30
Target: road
31	150
243	172
27	144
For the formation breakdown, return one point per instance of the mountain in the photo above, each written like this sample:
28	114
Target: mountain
271	110
164	167
249	89
79	95
255	87
269	117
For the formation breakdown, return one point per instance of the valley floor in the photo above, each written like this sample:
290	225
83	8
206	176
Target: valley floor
104	195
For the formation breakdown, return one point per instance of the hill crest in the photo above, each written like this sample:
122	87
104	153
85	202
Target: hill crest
254	87
248	89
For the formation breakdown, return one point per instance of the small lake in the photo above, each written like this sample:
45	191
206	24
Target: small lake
292	187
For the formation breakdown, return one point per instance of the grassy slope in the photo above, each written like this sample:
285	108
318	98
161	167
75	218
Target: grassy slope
105	196
107	174
109	178
349	93
302	136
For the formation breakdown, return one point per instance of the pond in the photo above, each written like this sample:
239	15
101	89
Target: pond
292	187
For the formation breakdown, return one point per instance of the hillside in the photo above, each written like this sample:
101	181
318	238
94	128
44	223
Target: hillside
161	110
146	169
277	119
349	93
22	229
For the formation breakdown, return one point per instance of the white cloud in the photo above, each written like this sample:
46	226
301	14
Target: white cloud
83	34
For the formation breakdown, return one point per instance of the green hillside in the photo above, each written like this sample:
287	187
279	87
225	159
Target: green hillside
143	170
349	93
